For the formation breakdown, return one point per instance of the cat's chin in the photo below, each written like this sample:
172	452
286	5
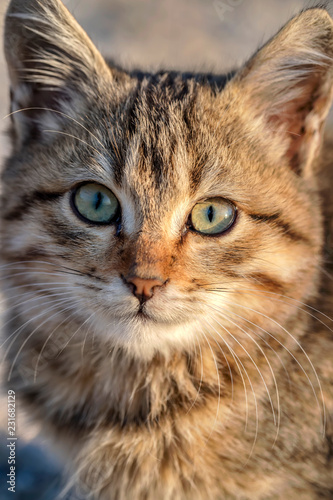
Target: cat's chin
142	335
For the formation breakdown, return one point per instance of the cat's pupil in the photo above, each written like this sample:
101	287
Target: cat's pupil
210	213
98	200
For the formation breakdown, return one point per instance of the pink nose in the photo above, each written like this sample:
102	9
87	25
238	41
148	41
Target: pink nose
143	288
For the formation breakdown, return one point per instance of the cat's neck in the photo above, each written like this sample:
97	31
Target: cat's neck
124	391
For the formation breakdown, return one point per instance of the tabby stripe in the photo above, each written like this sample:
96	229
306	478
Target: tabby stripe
47	195
28	202
270	284
65	235
275	221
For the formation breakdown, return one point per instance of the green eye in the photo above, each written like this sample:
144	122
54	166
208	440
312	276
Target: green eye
95	203
213	216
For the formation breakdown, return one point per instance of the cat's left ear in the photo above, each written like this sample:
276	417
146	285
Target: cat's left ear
287	88
52	65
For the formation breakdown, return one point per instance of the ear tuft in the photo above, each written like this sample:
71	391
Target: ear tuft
289	83
52	63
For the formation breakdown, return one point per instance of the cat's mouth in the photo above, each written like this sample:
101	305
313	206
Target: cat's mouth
142	313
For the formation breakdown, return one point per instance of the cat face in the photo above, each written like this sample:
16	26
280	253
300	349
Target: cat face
155	211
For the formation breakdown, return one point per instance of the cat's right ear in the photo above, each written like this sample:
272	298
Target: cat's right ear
286	89
53	65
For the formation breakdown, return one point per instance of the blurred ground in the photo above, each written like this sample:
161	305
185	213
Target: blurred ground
206	35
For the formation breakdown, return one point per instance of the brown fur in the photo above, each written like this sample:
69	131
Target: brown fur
222	389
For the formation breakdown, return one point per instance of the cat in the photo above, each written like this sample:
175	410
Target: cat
165	257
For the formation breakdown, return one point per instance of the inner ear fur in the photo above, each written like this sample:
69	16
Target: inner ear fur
52	64
288	87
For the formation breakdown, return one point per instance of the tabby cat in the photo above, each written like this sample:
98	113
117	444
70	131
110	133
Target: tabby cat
165	264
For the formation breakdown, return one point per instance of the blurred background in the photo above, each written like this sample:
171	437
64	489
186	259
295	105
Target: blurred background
205	35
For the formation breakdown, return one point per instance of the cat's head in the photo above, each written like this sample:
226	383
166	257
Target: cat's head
159	210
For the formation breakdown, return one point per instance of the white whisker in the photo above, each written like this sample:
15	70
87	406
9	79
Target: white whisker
219	387
239	370
201	378
51	334
252	390
255	365
276	422
323	409
61	113
32	333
